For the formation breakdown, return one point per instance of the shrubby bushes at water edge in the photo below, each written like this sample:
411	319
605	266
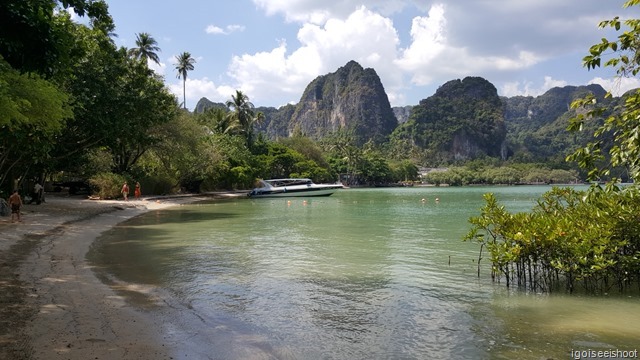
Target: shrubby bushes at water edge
571	239
494	175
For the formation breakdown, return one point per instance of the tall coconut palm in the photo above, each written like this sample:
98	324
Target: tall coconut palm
184	64
147	48
242	112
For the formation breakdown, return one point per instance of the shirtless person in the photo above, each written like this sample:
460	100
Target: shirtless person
15	202
125	191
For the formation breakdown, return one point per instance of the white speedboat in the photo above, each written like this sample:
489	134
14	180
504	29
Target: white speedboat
293	187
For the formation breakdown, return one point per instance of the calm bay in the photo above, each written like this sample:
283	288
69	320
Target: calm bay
363	274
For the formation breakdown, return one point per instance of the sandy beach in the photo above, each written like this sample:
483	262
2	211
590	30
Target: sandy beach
52	306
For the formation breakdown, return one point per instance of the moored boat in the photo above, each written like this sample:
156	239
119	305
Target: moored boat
292	188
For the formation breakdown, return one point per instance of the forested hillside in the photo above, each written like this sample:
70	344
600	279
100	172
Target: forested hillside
464	119
537	126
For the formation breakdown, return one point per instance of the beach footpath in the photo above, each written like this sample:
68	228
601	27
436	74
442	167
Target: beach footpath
52	306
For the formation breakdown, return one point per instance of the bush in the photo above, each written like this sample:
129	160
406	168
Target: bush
158	184
97	161
107	185
569	238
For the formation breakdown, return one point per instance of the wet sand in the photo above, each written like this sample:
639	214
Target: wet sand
52	306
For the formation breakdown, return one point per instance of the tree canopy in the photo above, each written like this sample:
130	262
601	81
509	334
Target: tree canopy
146	48
66	89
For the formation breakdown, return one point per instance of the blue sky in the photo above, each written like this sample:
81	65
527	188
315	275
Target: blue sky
272	49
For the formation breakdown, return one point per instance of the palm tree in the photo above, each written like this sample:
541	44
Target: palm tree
242	112
147	48
184	65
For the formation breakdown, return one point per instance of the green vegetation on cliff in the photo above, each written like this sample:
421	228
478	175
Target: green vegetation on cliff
463	120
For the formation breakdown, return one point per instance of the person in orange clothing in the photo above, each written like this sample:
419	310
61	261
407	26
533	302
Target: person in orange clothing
137	192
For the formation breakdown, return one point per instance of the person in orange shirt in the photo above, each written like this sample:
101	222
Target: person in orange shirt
137	192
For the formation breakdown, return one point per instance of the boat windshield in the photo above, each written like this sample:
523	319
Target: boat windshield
288	182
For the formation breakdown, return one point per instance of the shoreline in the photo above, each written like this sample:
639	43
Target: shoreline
53	306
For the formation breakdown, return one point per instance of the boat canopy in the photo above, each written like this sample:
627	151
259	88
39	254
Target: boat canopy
287	182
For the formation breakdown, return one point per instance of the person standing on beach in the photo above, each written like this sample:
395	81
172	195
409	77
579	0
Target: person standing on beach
125	191
137	192
15	202
37	193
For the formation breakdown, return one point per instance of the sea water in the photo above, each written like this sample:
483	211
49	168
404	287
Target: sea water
363	274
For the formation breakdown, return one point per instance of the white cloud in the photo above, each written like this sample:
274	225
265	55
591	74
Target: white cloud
319	11
212	29
496	39
510	89
366	37
271	73
428	41
160	69
431	57
199	88
73	14
617	86
372	40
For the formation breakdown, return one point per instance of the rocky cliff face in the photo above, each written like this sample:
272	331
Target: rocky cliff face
276	122
204	104
462	120
529	113
402	113
537	126
352	99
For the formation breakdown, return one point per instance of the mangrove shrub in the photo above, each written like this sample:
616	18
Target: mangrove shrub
588	239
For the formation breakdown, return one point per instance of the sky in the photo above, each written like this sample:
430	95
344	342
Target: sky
272	49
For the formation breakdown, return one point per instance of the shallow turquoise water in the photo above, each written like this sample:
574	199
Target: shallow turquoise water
363	274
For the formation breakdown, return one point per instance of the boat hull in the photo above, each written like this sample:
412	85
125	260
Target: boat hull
293	192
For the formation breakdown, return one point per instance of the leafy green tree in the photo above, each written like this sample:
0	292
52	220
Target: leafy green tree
376	170
280	161
146	48
537	175
145	104
561	176
33	40
33	111
405	170
307	147
184	64
345	155
237	168
242	112
622	123
216	120
93	83
502	175
184	152
563	243
102	76
37	38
